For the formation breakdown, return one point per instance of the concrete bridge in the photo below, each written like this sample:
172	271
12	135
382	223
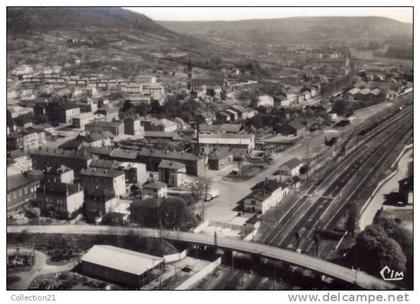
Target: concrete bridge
359	278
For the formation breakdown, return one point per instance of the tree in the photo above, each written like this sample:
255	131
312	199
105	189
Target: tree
174	214
374	250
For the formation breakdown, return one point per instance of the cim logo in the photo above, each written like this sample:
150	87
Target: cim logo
391	275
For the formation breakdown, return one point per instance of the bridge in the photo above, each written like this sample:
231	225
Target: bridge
358	278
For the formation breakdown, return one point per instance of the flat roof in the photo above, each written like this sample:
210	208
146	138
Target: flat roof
121	259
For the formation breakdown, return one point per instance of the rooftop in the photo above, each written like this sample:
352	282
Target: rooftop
61	189
154	185
171	164
291	163
18	181
121	259
99	172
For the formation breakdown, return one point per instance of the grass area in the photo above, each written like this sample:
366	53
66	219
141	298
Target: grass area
69	280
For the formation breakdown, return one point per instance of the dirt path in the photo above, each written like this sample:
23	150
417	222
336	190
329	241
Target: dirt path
40	267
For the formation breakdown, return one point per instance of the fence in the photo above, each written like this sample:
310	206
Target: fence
175	257
363	214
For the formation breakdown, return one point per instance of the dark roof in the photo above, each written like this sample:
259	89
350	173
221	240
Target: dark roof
19	181
125	154
219	154
161	134
269	185
296	124
16	154
99	172
58	189
171	164
57	170
174	155
100	195
154	185
291	163
61	153
105	164
253	220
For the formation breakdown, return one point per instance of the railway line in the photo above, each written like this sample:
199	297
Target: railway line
318	197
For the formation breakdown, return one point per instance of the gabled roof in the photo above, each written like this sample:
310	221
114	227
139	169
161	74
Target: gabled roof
296	124
291	163
171	164
121	259
155	185
18	181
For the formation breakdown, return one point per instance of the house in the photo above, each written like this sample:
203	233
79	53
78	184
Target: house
58	112
295	128
265	101
121	266
219	159
307	95
60	174
97	203
26	139
115	127
135	173
152	157
223	116
44	158
243	113
81	120
352	95
21	189
233	114
96	178
132	126
92	140
155	189
166	125
62	199
172	173
227	140
110	112
291	167
265	195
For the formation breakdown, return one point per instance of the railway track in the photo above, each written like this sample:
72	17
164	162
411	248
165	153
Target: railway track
319	190
362	169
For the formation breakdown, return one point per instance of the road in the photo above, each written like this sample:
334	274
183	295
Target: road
221	208
307	214
358	278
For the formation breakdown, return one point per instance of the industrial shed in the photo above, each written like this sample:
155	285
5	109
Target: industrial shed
121	266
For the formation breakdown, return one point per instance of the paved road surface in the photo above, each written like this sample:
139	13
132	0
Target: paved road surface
360	279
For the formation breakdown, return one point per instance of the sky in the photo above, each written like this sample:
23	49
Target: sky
403	14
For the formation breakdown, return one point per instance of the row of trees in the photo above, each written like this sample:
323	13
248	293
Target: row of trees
174	107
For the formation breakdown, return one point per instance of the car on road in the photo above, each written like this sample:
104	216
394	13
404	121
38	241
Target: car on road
211	194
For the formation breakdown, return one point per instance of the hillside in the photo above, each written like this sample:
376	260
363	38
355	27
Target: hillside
108	40
294	30
82	19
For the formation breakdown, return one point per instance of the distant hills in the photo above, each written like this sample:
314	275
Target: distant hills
294	30
88	18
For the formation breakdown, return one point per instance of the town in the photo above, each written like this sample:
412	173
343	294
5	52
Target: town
242	176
